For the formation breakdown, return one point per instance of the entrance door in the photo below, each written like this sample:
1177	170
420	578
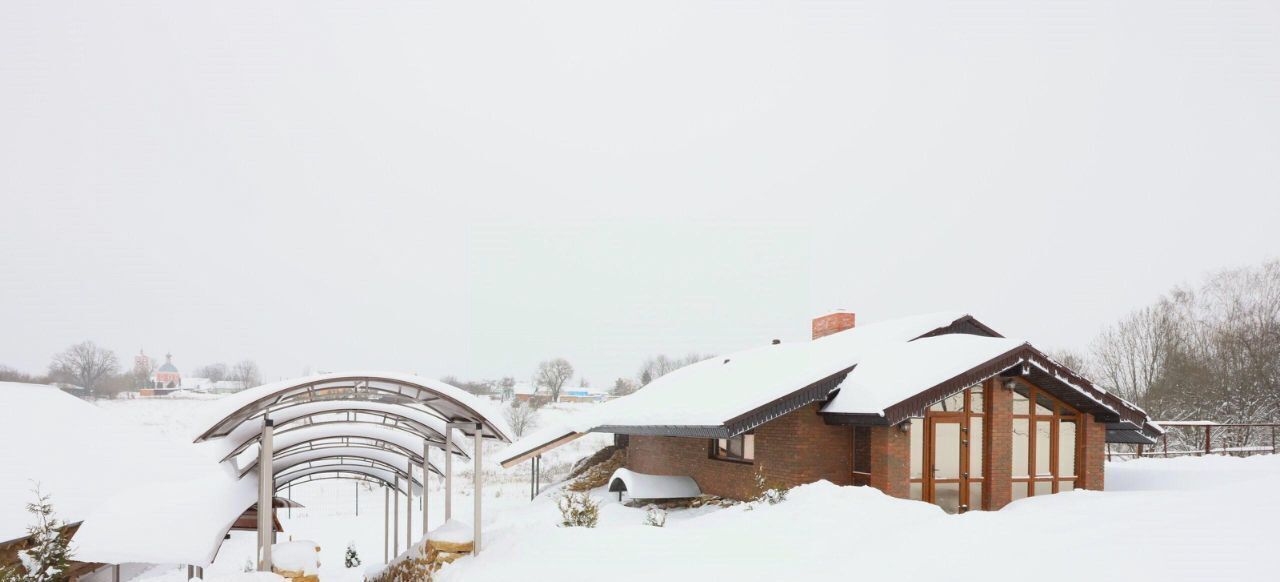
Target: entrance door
947	477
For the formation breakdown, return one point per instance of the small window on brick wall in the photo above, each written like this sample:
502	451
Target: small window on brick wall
861	455
741	448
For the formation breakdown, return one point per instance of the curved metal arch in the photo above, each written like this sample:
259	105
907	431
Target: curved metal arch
378	473
335	477
332	442
388	456
287	439
424	432
427	421
347	461
450	402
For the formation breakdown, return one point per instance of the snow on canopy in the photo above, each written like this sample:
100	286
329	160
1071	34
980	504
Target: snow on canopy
452	402
897	372
77	453
644	486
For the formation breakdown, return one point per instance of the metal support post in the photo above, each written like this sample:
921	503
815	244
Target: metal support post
426	476
266	490
479	484
408	504
115	573
386	524
448	472
395	518
1208	440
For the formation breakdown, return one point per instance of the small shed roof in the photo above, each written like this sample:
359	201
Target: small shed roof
644	486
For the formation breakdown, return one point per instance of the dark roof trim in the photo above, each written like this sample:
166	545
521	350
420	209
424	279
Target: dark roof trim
1014	358
966	325
816	392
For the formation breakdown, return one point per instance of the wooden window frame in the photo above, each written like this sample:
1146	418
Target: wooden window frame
1055	422
965	419
713	452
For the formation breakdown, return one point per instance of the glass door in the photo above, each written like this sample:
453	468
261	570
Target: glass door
947	478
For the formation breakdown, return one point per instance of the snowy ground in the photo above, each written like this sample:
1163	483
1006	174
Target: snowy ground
1179	519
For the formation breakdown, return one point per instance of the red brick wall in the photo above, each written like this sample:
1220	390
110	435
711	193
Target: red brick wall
999	445
891	460
1093	455
791	450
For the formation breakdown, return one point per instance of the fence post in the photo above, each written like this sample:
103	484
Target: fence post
1207	439
1139	450
1165	438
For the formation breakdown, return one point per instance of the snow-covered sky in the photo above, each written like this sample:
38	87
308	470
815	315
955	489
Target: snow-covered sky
471	187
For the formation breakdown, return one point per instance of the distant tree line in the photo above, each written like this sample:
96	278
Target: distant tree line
97	371
1204	352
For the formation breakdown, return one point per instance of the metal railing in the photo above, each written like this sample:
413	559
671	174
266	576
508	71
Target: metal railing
1236	439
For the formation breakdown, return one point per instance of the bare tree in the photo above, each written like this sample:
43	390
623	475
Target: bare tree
661	365
506	388
215	372
552	375
1131	354
246	373
521	417
624	386
85	365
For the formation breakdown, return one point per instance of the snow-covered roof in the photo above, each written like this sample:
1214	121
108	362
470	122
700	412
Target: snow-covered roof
716	390
644	486
78	454
899	371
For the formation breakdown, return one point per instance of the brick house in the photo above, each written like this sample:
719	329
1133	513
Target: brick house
938	408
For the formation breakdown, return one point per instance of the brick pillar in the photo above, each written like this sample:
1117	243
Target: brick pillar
1094	454
999	448
891	460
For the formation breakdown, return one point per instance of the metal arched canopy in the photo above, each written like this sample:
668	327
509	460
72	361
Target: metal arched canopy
388	478
340	475
345	462
300	436
414	417
320	414
447	402
391	457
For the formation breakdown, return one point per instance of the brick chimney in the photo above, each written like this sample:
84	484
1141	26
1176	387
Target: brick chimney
830	323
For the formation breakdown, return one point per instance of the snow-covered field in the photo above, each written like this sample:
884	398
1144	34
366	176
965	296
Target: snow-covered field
1179	519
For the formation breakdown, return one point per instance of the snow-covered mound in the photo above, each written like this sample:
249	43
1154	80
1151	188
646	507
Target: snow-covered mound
1150	525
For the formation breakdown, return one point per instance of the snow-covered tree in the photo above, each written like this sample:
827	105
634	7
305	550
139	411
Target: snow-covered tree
48	557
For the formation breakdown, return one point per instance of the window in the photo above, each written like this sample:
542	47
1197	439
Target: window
947	463
861	455
741	448
1045	443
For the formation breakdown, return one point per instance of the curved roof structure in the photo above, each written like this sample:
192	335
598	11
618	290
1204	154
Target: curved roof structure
390	457
378	473
446	402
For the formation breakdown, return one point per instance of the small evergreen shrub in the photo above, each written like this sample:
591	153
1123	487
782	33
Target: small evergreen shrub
655	517
351	559
768	491
578	510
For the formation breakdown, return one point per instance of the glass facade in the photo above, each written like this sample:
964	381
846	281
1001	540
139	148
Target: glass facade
1045	443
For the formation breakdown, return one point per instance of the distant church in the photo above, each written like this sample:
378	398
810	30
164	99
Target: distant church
165	380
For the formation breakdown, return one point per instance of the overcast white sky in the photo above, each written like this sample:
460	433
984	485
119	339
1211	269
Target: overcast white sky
470	187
